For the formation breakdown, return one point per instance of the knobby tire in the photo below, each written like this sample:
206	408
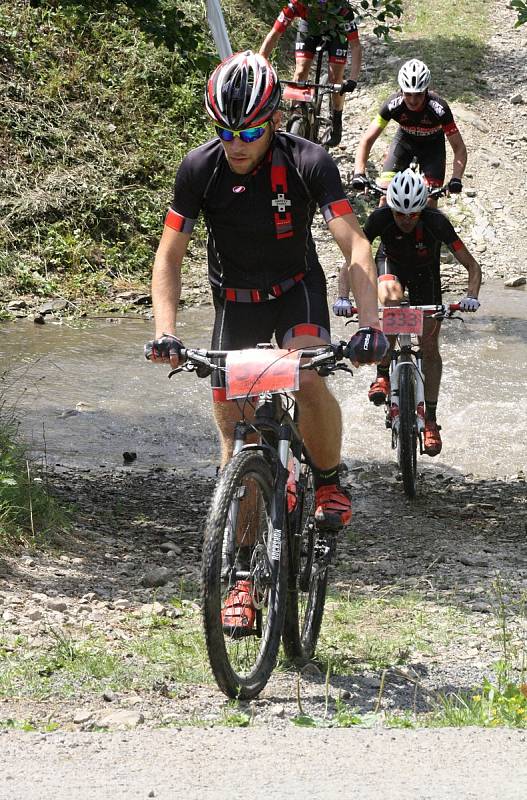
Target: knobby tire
307	581
407	440
242	664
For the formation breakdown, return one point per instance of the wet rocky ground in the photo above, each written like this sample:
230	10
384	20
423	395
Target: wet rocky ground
449	567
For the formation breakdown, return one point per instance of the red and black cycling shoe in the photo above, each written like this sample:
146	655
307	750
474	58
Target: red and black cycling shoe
238	613
333	507
379	390
432	438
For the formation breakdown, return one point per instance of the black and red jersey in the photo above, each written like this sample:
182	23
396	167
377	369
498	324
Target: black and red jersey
297	9
259	225
421	247
433	120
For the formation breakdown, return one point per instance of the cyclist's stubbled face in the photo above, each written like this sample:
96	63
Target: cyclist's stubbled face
406	222
414	101
243	157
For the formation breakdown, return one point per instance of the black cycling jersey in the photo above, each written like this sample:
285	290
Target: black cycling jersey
433	121
259	225
414	258
313	24
419	248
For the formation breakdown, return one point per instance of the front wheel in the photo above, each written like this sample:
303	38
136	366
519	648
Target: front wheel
244	549
407	438
310	552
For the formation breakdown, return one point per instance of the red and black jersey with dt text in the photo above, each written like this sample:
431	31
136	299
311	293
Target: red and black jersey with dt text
421	247
259	225
434	120
296	9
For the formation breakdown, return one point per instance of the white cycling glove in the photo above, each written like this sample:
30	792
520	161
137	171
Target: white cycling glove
469	304
343	307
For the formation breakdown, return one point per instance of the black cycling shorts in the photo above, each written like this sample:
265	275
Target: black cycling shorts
431	156
306	47
303	310
423	284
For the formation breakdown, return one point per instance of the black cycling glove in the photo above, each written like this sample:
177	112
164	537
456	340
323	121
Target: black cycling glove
367	346
163	348
455	185
359	181
348	86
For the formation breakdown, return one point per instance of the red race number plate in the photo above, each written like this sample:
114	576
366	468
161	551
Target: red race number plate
402	320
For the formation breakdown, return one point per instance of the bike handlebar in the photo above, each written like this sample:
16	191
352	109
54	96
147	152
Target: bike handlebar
441	309
380	191
334	88
325	358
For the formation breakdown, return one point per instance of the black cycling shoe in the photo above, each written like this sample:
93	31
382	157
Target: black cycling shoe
336	133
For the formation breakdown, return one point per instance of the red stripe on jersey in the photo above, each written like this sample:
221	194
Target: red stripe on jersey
174	220
230	294
457	245
352	35
450	129
278	177
340	208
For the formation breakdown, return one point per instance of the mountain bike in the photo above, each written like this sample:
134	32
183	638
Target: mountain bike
310	115
405	406
260	528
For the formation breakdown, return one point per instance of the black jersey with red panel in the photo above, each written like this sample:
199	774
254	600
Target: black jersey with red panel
418	249
259	225
313	23
434	120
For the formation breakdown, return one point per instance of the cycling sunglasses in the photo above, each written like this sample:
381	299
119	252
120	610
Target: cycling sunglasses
248	135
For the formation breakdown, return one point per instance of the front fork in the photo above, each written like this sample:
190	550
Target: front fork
400	359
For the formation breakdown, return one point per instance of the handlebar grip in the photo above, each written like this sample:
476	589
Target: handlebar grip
454	306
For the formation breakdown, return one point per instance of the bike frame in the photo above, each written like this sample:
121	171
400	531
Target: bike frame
406	357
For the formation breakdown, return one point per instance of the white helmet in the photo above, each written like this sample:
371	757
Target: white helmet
407	192
414	76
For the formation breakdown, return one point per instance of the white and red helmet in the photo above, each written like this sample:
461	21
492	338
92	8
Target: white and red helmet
407	192
414	76
243	91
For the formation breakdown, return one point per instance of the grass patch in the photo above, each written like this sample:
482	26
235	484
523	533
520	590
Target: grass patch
28	513
377	633
145	655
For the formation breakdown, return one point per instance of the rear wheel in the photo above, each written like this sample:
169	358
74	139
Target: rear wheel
242	545
407	439
309	557
297	125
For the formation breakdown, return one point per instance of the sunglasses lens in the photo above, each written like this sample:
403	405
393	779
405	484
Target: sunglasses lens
252	134
224	134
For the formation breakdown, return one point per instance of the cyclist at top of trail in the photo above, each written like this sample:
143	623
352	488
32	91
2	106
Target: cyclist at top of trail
258	190
424	120
408	258
318	19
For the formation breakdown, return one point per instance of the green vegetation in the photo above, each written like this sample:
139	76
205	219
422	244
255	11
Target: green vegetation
27	511
100	102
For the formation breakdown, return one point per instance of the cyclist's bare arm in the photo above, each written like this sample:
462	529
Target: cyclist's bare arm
166	279
370	135
356	249
269	43
460	154
356	58
473	268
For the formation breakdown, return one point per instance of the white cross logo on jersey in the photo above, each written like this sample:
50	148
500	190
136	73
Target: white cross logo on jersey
281	202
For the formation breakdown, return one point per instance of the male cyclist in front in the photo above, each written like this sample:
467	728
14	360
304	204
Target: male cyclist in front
258	190
317	19
424	120
408	257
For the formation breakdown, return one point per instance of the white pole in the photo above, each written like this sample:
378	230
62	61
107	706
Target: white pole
218	28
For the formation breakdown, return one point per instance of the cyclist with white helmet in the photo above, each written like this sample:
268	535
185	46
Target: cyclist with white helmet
258	190
316	19
425	119
408	260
